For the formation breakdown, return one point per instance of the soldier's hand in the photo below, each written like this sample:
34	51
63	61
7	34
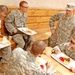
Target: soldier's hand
1	36
72	68
48	65
57	51
53	31
15	31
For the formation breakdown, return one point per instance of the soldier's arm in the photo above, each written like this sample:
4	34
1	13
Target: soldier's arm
63	47
53	19
56	50
73	31
9	22
60	48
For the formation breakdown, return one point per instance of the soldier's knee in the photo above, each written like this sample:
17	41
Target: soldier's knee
22	44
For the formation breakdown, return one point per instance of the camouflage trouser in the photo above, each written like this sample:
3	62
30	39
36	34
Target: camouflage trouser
23	40
6	52
52	40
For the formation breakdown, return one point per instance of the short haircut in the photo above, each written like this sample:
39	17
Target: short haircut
38	46
22	2
3	8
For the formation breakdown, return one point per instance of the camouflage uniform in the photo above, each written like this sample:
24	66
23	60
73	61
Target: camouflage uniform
63	30
23	63
65	48
14	20
6	52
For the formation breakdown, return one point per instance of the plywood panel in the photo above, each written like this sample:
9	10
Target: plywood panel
38	25
37	12
52	12
42	12
37	19
42	30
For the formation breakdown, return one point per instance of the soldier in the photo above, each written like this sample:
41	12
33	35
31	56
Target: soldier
66	22
6	51
67	48
24	62
16	19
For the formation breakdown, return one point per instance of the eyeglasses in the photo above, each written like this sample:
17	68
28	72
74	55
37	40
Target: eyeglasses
72	42
25	7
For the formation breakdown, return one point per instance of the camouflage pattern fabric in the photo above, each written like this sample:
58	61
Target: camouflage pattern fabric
14	20
6	54
64	28
23	63
65	48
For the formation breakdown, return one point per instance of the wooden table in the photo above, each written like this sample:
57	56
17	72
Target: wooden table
63	70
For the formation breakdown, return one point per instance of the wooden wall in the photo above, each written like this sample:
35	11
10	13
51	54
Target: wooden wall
38	20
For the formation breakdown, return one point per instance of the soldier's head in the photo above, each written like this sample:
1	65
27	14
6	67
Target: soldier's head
23	6
3	11
38	47
72	42
70	9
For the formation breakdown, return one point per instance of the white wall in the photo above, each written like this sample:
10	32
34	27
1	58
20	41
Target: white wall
49	4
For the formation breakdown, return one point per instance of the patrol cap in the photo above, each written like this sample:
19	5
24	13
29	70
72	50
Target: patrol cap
70	6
